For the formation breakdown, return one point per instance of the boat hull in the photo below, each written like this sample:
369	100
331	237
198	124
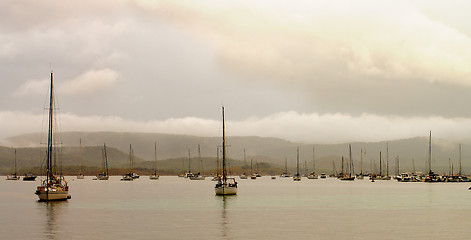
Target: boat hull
154	177
102	177
225	190
52	194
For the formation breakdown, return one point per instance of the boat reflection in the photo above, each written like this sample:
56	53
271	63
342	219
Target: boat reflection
52	211
225	201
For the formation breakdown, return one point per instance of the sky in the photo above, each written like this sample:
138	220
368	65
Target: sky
304	70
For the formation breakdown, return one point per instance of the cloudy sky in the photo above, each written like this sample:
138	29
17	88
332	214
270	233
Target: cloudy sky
303	70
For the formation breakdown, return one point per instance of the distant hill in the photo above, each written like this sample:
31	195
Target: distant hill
173	149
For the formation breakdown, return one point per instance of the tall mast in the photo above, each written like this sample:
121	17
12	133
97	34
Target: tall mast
297	161
201	160
313	161
380	165
155	158
459	173
80	158
15	163
387	158
189	161
351	161
224	174
217	161
361	162
50	134
106	159
430	154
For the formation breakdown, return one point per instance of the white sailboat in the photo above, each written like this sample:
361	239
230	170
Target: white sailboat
313	175
199	175
130	176
53	187
225	185
155	176
14	176
104	175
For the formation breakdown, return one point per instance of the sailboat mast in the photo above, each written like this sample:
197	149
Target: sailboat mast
351	160
201	160
155	158
297	161
459	173
50	135
224	174
361	162
15	163
313	160
380	165
106	160
430	154
387	159
80	158
189	161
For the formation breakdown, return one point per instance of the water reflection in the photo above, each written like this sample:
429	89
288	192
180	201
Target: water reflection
225	201
51	210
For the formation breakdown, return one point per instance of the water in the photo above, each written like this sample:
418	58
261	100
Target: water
177	208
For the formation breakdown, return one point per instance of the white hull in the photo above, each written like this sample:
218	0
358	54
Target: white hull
80	177
154	177
225	190
52	194
13	177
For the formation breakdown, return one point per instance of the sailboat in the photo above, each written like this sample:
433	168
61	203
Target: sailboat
53	188
285	173
198	176
130	176
252	175
225	185
313	175
297	177
155	176
104	175
431	177
80	175
350	176
14	176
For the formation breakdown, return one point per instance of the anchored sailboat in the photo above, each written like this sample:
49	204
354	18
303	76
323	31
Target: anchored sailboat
14	176
130	176
53	188
225	185
313	175
104	175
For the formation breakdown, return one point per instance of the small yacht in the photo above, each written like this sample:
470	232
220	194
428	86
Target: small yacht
29	177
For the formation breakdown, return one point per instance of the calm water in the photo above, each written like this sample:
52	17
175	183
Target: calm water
177	208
